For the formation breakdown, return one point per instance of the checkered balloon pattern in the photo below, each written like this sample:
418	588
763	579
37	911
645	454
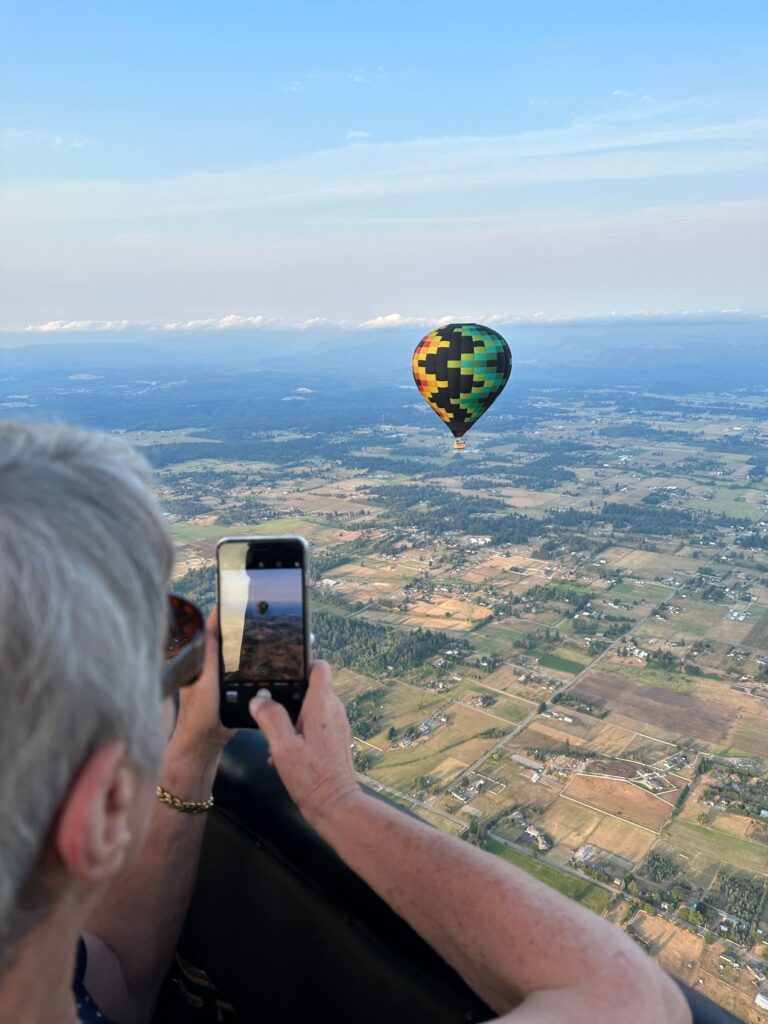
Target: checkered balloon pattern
460	371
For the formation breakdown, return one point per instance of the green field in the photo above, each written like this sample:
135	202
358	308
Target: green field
589	895
650	592
708	846
198	531
677	682
512	711
559	664
495	638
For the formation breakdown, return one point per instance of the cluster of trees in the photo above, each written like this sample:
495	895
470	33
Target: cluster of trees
659	867
440	511
739	894
246	510
749	799
362	711
644	519
569	699
573	596
373	649
753	539
530	641
199	586
665	660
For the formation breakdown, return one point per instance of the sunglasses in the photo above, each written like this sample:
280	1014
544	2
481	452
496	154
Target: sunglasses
185	646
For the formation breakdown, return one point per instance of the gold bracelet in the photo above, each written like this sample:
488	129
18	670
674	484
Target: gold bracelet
185	806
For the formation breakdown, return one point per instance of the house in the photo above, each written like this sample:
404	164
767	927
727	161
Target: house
729	958
761	1000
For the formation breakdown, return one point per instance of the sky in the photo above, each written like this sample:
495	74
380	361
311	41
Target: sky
226	164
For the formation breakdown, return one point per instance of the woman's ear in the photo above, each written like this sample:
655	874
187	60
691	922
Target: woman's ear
93	832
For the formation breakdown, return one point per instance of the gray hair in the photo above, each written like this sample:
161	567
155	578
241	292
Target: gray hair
85	558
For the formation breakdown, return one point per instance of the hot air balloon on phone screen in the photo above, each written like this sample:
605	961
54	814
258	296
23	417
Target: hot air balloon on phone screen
461	370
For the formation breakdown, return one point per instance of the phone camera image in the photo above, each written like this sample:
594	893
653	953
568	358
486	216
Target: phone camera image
262	619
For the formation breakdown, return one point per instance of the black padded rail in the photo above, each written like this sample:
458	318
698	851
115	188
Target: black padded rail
285	932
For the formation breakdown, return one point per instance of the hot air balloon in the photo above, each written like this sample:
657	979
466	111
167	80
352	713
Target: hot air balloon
461	370
263	607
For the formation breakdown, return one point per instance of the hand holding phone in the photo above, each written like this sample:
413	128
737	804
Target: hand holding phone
263	624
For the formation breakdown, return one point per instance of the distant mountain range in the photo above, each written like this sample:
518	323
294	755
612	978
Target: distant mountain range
684	353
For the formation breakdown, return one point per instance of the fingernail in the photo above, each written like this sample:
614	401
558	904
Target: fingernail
256	704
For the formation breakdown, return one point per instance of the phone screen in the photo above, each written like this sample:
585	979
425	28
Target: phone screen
262	619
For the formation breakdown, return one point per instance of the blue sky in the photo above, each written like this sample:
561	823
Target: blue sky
237	163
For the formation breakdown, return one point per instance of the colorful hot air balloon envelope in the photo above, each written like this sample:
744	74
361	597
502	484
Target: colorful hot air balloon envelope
461	370
263	607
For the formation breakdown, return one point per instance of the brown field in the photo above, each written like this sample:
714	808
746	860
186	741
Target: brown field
699	619
735	1002
649	564
614	767
652	706
347	683
748	735
619	798
570	824
676	947
734	825
640	748
612	740
507	678
376	570
519	790
721	691
623	838
691	809
541	734
450	613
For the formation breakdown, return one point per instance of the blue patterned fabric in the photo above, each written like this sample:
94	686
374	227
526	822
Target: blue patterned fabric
87	1011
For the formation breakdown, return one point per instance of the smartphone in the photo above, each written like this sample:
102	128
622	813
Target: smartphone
263	624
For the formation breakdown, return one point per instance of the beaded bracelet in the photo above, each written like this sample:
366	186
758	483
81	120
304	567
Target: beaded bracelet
185	806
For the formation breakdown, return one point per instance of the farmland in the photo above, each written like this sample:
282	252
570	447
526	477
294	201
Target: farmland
589	895
620	799
546	639
649	707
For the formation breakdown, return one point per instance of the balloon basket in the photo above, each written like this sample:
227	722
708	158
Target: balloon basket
459	445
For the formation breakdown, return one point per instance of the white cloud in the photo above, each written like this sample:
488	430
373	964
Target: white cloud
398	320
357	134
12	138
622	94
221	323
387	320
68	326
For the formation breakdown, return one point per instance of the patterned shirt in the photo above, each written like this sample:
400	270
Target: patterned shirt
87	1011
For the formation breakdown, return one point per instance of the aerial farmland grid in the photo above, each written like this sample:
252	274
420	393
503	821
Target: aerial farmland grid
617	611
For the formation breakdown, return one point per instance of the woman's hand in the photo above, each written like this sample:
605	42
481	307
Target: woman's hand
314	759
